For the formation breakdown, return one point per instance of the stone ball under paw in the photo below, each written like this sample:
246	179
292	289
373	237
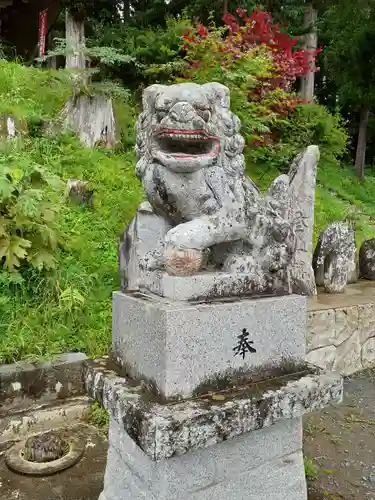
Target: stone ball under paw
183	262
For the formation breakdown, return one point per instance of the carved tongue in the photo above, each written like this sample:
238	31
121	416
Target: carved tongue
184	162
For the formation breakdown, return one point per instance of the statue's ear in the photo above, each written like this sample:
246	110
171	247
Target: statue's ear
150	94
217	94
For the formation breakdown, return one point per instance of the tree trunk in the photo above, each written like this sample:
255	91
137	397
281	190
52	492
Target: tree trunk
75	41
311	44
126	11
92	118
361	144
52	61
225	7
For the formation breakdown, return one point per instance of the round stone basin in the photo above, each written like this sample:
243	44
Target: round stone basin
44	454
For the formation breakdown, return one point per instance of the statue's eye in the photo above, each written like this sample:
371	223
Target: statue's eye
161	114
205	114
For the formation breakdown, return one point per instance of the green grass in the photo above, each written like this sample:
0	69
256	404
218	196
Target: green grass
28	93
71	310
311	469
98	417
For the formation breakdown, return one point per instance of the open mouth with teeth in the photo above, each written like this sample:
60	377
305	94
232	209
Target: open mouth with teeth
185	144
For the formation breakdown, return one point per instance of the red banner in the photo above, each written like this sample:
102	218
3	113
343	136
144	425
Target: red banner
42	32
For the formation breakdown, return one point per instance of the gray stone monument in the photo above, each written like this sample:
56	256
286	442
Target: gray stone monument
209	328
335	258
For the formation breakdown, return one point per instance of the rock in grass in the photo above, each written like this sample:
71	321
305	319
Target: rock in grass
7	127
367	259
79	192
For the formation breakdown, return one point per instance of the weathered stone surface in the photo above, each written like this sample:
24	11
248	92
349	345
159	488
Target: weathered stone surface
341	339
163	431
368	353
179	346
217	463
301	213
320	329
196	475
7	127
367	259
322	356
346	324
334	258
366	321
208	286
348	355
22	383
279	479
192	169
143	235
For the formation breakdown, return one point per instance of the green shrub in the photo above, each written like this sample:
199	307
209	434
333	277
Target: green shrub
275	124
98	417
307	124
28	207
150	51
311	469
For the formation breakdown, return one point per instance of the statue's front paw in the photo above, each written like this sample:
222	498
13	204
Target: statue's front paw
183	262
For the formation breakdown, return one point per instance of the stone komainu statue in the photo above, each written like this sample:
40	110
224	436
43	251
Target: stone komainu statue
203	214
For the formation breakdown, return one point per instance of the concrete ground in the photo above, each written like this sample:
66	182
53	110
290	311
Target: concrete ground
84	481
339	446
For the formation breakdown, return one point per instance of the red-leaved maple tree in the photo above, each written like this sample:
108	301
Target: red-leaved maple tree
242	36
248	31
258	28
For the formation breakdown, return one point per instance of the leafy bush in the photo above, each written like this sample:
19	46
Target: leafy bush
28	233
307	124
260	64
93	80
69	308
256	61
150	51
125	114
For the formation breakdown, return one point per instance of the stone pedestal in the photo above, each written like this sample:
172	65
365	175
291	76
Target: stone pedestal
180	347
214	380
196	421
266	464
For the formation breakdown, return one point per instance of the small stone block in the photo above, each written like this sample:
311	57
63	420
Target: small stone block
59	378
180	346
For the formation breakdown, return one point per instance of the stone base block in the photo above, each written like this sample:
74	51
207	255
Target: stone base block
179	347
210	286
265	464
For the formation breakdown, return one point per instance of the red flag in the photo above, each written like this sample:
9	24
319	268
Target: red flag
42	32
